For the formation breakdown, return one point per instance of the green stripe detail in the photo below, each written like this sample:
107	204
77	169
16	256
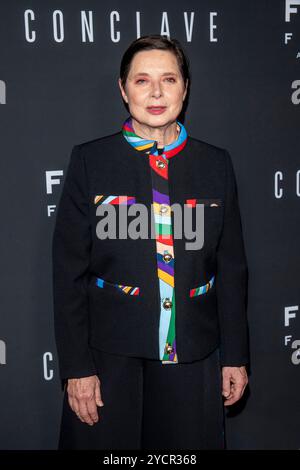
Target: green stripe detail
163	229
171	331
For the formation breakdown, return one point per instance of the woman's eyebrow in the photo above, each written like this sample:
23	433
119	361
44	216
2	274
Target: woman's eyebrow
147	74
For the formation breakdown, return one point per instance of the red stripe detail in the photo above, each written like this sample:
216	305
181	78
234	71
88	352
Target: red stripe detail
166	239
123	199
126	126
191	202
116	200
192	292
163	172
171	153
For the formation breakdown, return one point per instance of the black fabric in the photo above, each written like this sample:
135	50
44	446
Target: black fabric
149	405
88	316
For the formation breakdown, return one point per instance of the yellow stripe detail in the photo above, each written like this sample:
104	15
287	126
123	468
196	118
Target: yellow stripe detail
166	277
144	147
127	288
157	207
98	198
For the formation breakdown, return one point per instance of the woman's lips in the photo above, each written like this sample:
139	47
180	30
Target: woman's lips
156	109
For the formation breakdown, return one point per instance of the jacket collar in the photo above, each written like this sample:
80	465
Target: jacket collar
148	147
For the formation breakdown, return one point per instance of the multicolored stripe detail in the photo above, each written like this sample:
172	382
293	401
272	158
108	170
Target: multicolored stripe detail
125	289
139	143
158	161
202	289
114	199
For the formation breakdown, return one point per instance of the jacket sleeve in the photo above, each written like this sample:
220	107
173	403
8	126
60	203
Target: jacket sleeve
232	279
71	244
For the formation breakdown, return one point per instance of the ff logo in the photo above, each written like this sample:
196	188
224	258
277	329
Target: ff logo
2	92
290	9
51	180
290	312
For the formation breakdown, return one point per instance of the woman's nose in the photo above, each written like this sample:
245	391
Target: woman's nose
156	90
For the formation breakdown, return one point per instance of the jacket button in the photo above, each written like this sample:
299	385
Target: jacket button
163	209
167	257
160	164
167	304
168	349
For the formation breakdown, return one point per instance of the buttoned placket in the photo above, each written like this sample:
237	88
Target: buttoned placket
161	206
161	210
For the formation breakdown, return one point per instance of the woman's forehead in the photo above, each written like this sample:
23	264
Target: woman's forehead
147	61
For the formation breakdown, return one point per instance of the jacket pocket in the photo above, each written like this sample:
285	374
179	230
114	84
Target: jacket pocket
208	202
211	224
115	200
200	290
123	289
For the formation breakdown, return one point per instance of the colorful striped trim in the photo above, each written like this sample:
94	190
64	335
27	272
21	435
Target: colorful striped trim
139	143
116	200
125	289
159	162
202	289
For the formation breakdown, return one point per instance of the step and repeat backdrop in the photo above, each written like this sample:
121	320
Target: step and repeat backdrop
59	66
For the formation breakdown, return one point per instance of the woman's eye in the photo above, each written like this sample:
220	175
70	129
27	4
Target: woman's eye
170	79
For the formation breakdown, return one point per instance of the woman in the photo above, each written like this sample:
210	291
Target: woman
141	370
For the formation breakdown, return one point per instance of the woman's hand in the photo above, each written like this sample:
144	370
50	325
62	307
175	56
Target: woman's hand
84	396
235	380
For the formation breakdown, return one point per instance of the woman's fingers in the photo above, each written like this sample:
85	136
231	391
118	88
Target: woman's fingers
98	398
84	412
235	380
83	396
92	410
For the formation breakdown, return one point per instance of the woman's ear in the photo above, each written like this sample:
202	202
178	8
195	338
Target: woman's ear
122	91
186	89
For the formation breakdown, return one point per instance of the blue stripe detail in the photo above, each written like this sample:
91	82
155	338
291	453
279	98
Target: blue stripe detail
99	282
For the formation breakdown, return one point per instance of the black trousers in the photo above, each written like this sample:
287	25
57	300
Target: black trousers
150	405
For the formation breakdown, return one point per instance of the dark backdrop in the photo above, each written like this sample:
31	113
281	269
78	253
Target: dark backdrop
58	89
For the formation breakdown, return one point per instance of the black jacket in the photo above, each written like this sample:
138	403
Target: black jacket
109	319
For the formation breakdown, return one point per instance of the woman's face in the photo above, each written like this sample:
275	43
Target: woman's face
154	80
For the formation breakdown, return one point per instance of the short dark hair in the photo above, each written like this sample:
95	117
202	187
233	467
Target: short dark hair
155	41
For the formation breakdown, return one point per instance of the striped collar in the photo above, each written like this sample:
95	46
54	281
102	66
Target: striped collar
150	146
